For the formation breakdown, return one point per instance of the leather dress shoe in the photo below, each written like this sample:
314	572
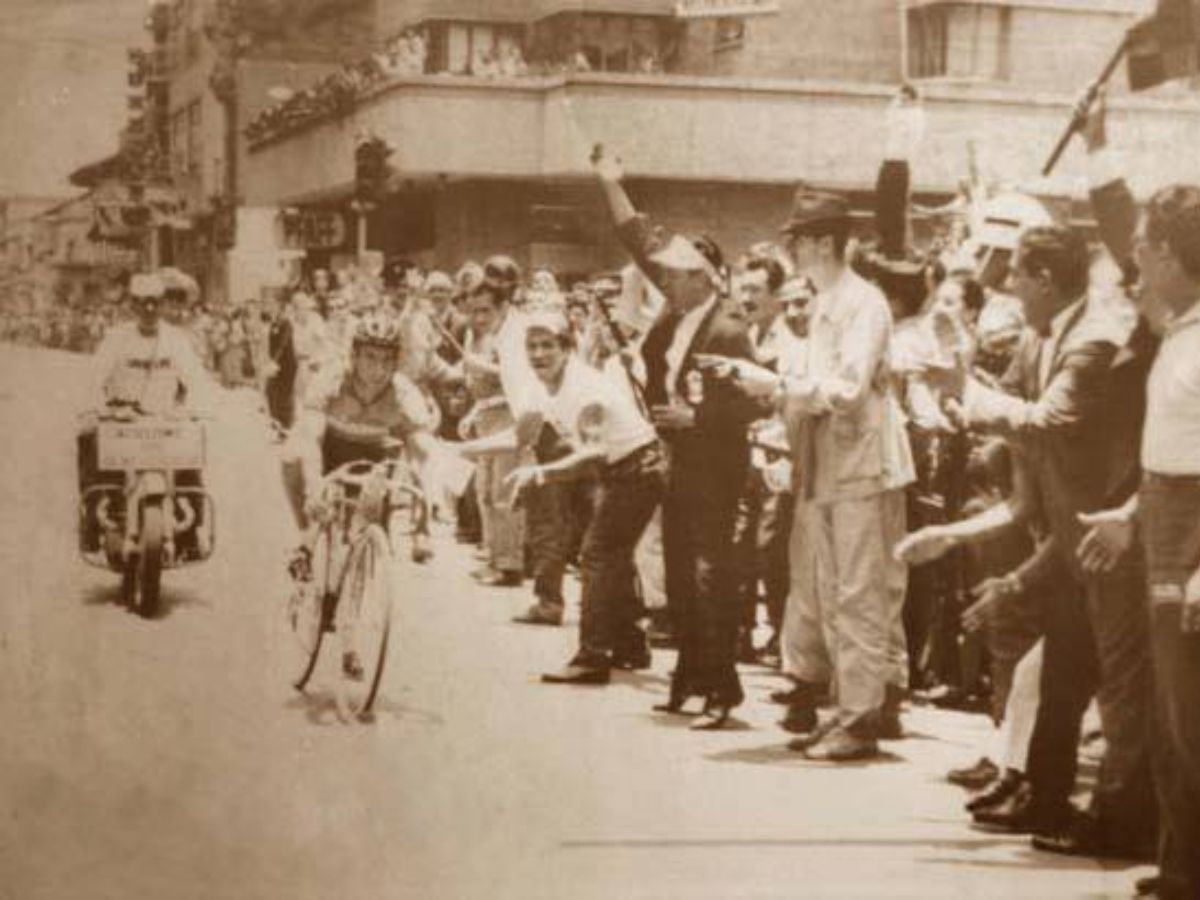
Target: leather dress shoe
673	706
802	692
714	718
997	792
801	743
506	578
1013	815
1080	834
577	672
801	718
1150	886
842	745
975	777
888	725
632	660
540	614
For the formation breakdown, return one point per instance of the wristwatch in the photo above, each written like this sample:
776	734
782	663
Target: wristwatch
1013	584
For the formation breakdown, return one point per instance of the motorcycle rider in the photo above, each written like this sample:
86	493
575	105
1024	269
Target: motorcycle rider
149	367
150	364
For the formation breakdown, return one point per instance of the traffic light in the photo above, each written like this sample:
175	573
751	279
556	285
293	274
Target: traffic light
139	67
371	168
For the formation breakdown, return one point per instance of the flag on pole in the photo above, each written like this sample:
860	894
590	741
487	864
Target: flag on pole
1164	46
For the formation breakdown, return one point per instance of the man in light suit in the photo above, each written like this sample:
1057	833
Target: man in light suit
852	461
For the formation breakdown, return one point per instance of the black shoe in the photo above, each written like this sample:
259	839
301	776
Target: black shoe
888	724
801	692
746	654
673	706
997	792
1080	834
632	660
540	614
1012	816
577	672
1151	886
975	777
801	718
506	578
801	743
714	718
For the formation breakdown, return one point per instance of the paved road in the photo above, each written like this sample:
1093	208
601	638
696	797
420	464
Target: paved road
169	759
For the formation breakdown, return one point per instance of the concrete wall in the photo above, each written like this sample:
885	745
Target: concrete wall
708	130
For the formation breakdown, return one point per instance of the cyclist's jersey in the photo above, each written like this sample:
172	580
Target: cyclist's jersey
357	428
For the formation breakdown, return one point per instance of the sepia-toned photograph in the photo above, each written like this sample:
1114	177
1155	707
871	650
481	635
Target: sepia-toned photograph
599	449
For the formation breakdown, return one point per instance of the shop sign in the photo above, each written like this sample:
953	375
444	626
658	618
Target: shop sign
314	229
707	9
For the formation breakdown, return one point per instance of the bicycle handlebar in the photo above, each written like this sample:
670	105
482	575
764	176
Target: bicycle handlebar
359	473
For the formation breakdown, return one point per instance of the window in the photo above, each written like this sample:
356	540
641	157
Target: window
193	138
958	40
730	34
179	143
463	48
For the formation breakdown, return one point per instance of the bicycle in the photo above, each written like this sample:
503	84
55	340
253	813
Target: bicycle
349	589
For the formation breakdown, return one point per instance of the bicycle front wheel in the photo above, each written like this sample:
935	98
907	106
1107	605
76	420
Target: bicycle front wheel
309	610
364	620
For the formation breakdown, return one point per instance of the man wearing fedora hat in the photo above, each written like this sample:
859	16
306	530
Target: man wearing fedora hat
843	615
842	625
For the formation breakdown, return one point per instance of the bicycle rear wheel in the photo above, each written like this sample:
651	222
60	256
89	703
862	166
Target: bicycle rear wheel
364	620
310	609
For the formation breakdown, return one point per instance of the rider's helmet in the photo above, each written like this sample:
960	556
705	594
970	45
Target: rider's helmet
146	292
377	330
147	286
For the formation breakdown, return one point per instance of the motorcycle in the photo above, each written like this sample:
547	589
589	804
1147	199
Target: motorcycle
143	507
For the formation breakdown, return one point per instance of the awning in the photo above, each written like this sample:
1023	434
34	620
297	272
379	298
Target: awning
93	174
516	11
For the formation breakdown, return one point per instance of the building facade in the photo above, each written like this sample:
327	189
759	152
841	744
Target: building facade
717	108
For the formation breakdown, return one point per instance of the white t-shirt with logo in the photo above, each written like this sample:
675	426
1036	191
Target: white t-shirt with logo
621	429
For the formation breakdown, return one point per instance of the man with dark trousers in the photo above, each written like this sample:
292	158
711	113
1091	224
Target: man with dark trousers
1071	405
703	423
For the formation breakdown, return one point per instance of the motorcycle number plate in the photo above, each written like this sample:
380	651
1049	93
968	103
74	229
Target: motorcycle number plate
150	445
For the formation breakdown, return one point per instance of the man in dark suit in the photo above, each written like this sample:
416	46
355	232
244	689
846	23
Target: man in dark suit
1072	439
282	365
703	422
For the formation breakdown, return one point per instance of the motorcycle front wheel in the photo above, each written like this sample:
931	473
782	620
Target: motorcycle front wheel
149	563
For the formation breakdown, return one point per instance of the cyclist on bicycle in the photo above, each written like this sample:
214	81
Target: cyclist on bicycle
354	413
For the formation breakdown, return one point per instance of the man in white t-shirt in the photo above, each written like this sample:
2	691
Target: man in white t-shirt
598	415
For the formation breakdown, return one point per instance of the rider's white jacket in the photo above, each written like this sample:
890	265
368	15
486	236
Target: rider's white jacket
161	373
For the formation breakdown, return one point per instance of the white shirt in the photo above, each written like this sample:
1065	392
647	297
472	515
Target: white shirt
1171	435
622	429
132	368
681	342
775	345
